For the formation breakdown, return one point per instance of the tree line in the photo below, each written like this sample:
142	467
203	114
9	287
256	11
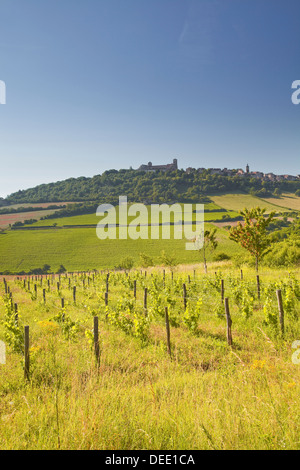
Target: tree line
154	187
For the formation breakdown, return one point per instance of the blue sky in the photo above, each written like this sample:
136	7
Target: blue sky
100	84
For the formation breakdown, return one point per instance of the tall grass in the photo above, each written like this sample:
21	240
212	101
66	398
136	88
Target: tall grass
209	396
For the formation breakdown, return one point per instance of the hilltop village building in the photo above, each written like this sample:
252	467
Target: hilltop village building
170	167
218	171
244	174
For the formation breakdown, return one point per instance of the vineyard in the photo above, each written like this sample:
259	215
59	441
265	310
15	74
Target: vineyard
150	359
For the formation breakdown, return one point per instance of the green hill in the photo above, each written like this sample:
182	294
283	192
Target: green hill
151	187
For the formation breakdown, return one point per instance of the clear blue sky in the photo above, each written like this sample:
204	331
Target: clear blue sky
100	84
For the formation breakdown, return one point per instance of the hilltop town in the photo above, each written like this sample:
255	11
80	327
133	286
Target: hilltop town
218	171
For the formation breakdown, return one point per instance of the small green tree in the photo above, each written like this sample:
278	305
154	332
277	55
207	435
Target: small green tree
210	243
46	268
61	270
251	234
146	260
168	260
126	263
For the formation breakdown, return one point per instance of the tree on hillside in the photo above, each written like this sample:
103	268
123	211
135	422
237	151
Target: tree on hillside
209	243
61	270
251	234
168	260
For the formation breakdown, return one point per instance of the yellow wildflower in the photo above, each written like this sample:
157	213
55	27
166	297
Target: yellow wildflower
257	364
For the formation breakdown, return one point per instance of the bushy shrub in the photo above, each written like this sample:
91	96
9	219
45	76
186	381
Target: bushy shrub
221	257
284	253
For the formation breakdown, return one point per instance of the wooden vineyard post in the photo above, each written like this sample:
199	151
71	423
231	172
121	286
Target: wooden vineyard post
258	286
106	299
96	341
74	294
44	295
62	307
134	289
145	300
168	332
222	290
16	315
281	312
184	296
11	299
229	322
242	275
26	352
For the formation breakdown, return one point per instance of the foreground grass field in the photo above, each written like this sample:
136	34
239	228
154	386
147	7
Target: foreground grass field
207	395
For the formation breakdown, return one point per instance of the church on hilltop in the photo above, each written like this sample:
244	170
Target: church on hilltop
169	167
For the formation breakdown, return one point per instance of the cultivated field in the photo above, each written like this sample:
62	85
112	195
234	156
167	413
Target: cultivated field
239	201
290	201
73	243
196	391
80	249
10	219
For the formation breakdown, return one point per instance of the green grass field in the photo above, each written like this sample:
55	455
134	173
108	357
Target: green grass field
80	249
205	395
93	219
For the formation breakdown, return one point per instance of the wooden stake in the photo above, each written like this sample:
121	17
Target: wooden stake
16	315
96	341
222	290
168	332
258	286
184	296
26	352
145	300
281	312
229	322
